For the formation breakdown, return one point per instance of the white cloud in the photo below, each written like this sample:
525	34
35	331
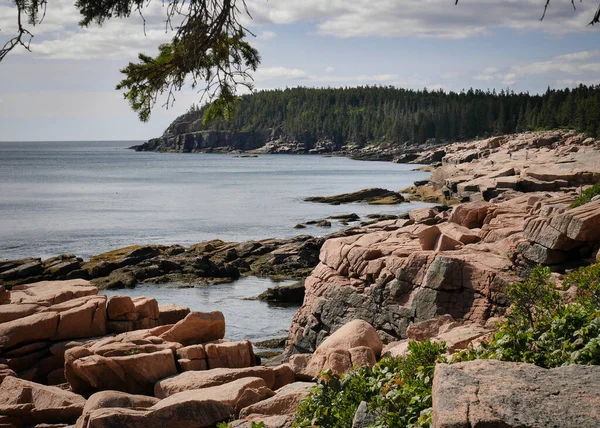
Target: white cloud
559	67
329	69
60	37
280	72
425	18
266	35
577	56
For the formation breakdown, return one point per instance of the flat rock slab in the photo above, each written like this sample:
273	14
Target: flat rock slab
490	394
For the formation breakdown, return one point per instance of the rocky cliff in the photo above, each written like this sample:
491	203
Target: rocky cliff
398	272
180	138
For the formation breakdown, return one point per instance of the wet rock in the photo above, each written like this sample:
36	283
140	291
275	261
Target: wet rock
375	195
284	294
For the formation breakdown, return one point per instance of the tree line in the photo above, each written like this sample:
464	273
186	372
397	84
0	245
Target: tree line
376	114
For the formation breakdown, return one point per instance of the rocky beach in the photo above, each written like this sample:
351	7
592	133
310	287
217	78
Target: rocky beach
503	205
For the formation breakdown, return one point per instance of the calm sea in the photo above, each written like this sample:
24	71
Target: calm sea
85	198
89	197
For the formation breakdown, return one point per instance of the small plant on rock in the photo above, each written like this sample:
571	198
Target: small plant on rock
398	390
586	196
541	329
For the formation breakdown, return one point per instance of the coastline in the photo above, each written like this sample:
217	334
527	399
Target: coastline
439	273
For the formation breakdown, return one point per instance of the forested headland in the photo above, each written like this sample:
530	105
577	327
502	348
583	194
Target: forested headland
376	114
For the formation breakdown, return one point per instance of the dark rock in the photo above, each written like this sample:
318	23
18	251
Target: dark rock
120	278
323	223
285	294
62	265
346	217
31	267
300	226
271	343
371	196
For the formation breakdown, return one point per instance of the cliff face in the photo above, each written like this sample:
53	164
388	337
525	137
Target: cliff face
177	139
204	141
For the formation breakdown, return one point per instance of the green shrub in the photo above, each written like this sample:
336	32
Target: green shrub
398	390
587	281
542	330
586	196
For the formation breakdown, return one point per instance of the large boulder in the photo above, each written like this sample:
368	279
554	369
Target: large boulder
284	402
32	403
113	399
232	355
470	215
41	326
197	327
81	317
489	393
353	334
209	378
171	314
52	292
132	362
188	409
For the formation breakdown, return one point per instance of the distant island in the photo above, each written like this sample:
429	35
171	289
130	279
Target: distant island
375	122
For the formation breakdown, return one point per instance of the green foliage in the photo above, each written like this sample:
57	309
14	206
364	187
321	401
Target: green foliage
398	391
586	196
542	330
388	115
587	281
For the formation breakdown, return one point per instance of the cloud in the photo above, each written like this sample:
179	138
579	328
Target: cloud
559	68
329	69
280	72
266	36
59	36
426	18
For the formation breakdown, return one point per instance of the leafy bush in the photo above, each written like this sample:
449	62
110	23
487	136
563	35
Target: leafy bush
587	281
542	330
398	390
586	196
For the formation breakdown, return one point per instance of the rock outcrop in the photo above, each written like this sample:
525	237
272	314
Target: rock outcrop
488	393
207	262
375	196
395	273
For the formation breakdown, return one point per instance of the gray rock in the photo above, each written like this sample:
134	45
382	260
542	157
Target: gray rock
363	418
490	394
31	268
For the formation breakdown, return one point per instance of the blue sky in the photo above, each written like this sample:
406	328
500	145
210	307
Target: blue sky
64	89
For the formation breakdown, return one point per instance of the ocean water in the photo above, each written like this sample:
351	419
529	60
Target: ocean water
85	198
245	318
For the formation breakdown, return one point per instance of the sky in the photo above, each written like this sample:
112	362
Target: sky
64	90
